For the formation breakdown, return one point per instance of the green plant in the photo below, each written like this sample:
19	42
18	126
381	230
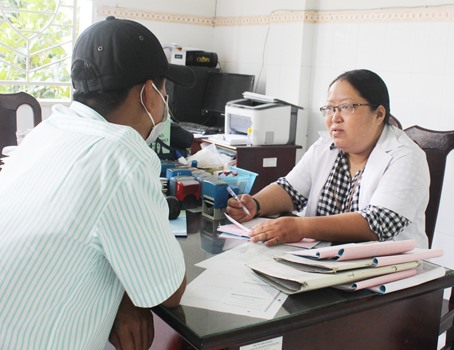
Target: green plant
35	47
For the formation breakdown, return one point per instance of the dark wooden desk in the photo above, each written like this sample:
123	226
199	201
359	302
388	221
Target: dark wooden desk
322	319
270	162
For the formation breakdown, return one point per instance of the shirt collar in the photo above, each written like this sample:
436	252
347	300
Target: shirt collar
83	111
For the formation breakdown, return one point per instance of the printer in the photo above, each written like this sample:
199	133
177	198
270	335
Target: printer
272	121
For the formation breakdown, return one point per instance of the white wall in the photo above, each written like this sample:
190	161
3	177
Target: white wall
164	18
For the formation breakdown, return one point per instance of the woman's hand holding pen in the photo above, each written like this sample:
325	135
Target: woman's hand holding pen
273	232
278	231
236	211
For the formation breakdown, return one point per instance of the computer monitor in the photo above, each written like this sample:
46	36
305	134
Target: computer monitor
220	89
186	102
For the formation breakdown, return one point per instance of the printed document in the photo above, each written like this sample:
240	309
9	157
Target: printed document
228	285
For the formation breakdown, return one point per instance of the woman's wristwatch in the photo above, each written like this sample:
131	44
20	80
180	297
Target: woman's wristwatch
257	204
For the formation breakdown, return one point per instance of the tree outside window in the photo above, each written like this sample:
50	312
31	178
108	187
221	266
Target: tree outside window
36	40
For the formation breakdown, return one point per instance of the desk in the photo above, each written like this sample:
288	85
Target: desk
321	319
270	161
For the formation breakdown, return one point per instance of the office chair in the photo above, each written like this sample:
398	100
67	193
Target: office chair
436	145
395	122
9	104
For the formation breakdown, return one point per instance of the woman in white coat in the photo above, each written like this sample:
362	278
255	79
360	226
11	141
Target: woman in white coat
363	180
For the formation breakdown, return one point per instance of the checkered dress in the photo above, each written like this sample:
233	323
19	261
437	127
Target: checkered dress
341	194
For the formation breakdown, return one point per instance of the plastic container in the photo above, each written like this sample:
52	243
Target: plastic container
212	169
243	181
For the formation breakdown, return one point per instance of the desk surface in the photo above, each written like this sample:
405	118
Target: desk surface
406	319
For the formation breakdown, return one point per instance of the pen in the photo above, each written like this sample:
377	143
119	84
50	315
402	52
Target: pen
233	194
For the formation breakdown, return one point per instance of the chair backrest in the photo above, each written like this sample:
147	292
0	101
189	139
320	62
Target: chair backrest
437	145
394	121
9	104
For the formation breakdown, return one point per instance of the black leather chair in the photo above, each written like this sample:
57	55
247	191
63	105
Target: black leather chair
9	104
394	121
436	145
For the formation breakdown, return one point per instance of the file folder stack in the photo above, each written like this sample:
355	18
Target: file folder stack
382	267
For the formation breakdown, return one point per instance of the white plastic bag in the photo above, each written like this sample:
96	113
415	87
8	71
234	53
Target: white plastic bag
209	157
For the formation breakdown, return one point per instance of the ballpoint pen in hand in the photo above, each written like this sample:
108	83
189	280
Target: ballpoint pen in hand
233	194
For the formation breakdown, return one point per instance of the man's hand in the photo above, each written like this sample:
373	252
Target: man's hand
133	327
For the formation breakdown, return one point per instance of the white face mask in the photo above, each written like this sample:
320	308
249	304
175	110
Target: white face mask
157	128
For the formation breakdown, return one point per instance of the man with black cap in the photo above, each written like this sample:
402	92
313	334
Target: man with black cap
84	237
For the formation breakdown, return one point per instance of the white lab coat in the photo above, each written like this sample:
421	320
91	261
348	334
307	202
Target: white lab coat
396	177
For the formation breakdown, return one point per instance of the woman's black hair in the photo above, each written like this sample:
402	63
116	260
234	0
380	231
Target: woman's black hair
370	86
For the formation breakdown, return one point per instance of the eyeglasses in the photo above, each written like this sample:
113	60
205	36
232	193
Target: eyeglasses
344	109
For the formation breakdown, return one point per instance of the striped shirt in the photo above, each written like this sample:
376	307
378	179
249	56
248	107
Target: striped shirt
83	219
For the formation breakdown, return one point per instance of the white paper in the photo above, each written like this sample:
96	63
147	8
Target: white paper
241	294
229	139
228	285
241	231
236	258
306	243
237	224
269	344
227	235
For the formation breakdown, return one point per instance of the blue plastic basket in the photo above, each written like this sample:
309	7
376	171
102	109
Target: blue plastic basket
243	181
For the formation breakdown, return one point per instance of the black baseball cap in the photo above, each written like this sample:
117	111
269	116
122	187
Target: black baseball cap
122	53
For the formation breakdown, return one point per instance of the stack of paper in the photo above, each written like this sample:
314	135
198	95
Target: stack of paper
229	139
379	266
228	285
241	231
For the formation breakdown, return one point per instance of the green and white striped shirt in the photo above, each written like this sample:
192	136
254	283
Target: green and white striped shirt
82	219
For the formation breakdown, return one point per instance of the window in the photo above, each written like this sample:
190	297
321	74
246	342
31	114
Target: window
36	40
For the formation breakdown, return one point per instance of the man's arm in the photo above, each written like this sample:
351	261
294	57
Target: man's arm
174	299
133	326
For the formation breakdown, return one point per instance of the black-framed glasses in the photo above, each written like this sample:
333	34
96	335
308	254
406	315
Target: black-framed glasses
344	109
